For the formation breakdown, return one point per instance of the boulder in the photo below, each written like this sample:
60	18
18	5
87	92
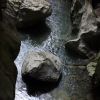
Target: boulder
29	12
41	68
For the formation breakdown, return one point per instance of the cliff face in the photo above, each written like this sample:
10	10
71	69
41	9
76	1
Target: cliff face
9	48
85	25
85	16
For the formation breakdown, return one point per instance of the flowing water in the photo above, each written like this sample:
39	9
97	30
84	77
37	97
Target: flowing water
75	82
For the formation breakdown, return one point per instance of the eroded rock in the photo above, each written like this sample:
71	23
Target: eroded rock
87	41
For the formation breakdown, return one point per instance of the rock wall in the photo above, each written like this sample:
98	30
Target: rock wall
9	48
85	15
85	25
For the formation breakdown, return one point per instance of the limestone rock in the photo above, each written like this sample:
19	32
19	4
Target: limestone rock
43	66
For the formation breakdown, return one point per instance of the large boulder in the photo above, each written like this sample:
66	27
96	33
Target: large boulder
41	68
29	12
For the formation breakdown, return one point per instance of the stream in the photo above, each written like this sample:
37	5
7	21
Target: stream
75	82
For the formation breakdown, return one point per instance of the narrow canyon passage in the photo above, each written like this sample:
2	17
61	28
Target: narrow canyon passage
75	83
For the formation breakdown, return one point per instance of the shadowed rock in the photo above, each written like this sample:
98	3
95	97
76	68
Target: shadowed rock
3	4
87	42
9	48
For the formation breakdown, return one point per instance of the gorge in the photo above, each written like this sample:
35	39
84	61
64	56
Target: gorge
56	42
